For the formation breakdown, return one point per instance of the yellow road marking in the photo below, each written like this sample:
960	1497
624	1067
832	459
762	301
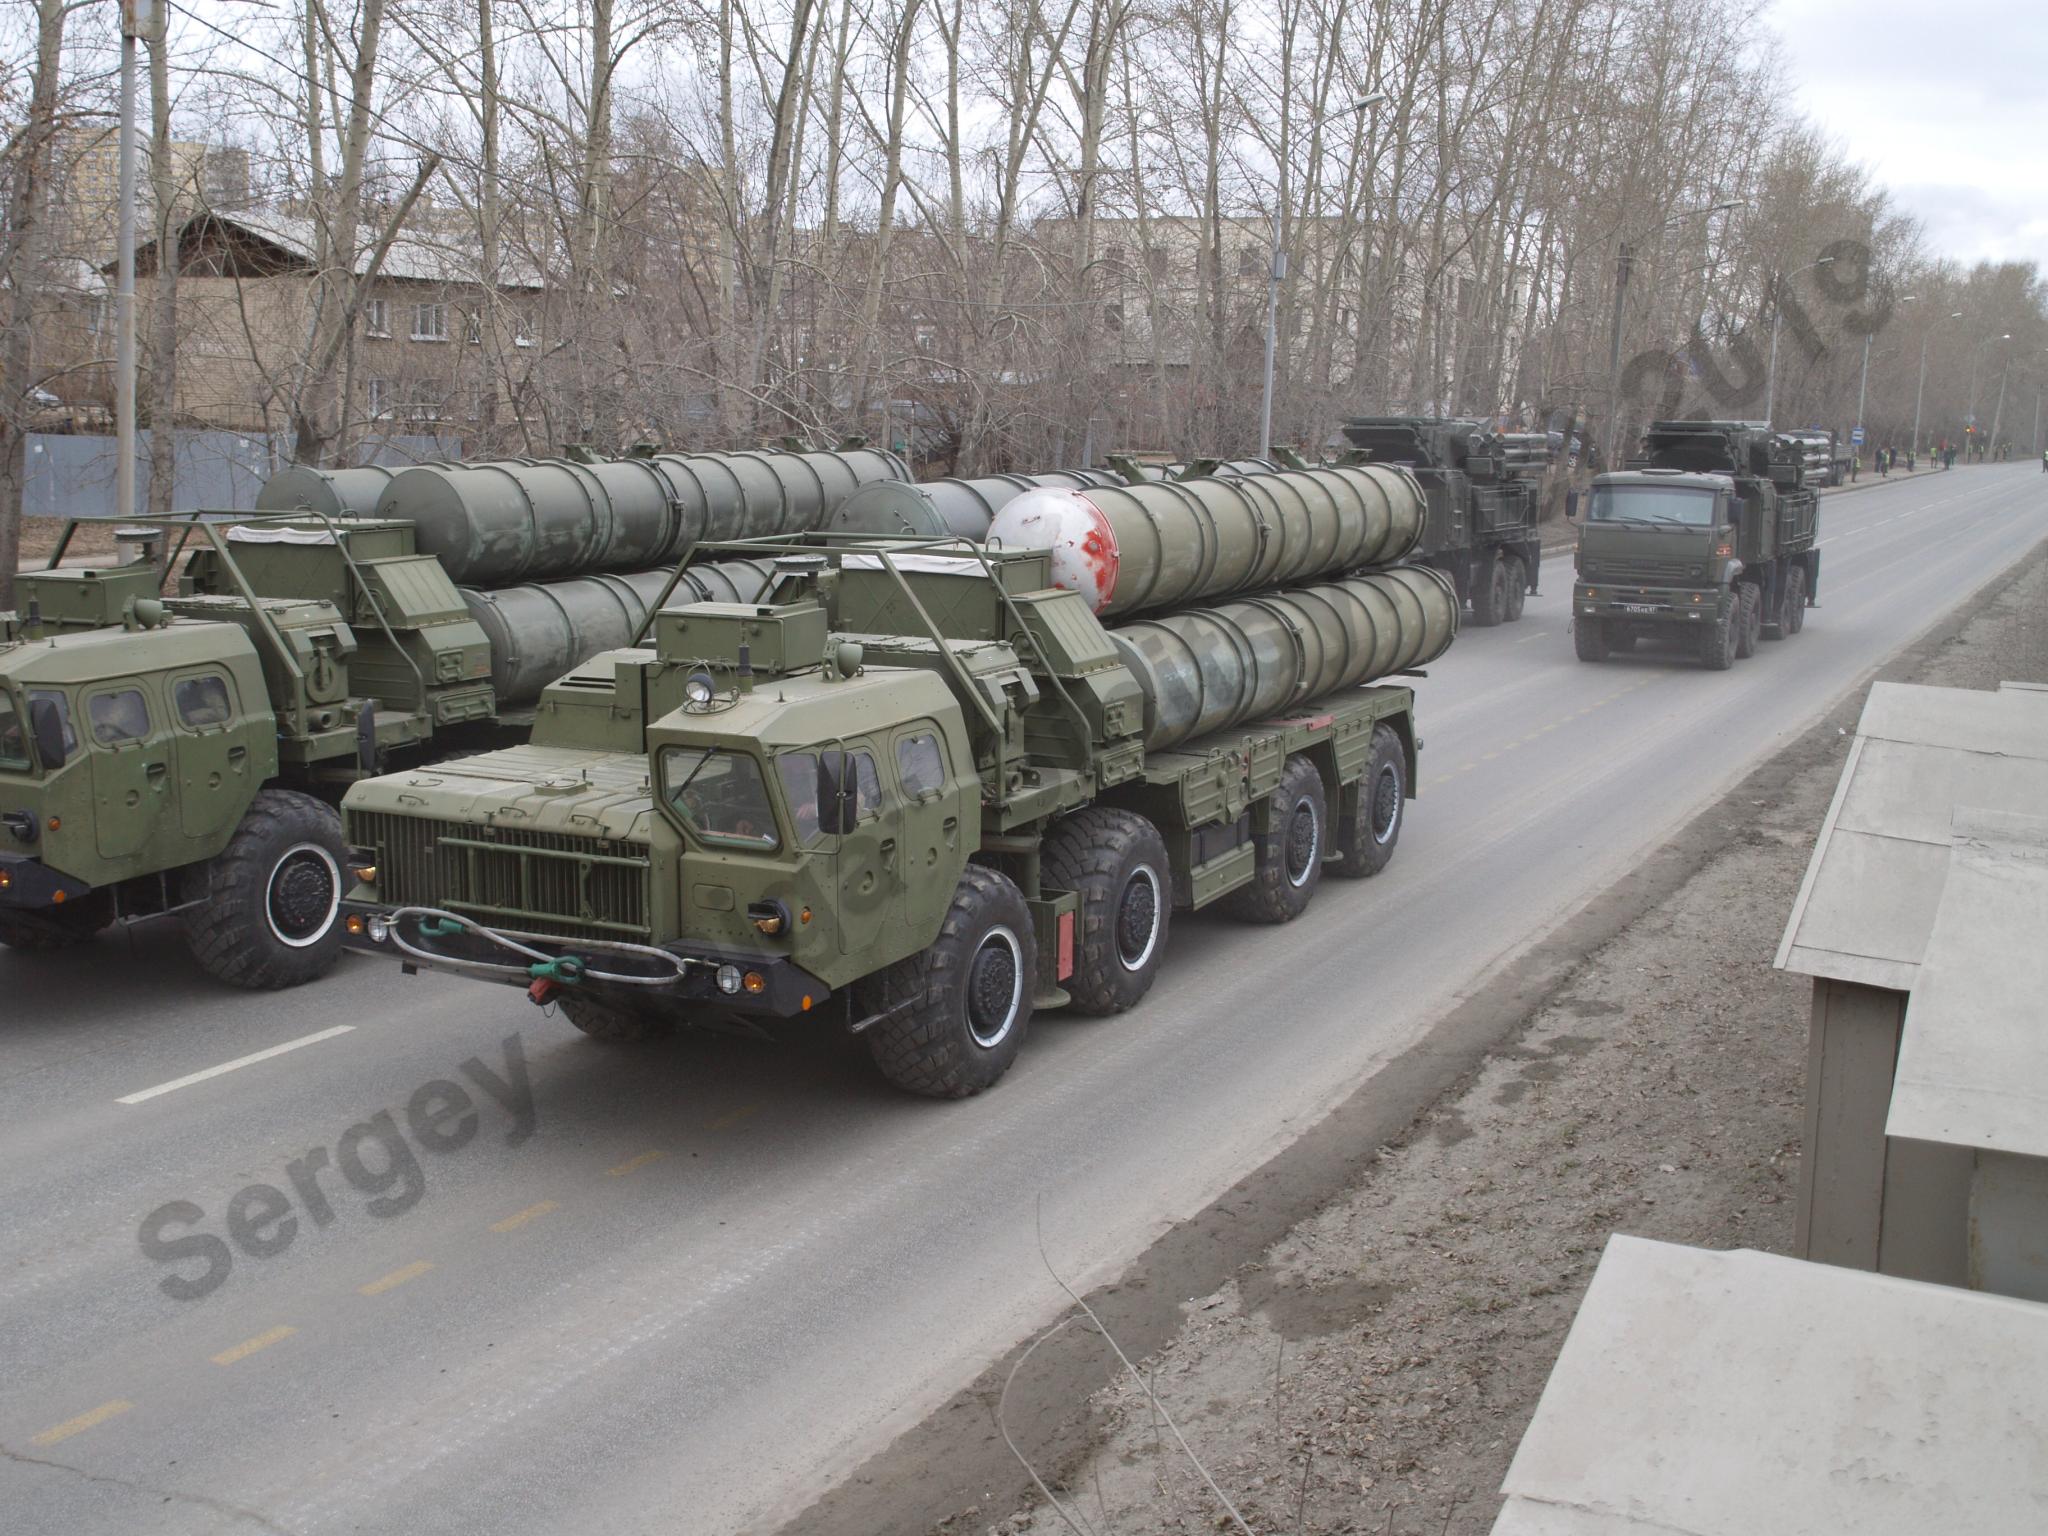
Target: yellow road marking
1489	757
519	1219
727	1122
83	1422
632	1163
395	1279
248	1347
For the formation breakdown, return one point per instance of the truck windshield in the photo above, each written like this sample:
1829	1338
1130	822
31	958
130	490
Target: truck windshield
1671	505
13	734
720	795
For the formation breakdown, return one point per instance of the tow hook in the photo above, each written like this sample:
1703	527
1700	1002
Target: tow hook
551	976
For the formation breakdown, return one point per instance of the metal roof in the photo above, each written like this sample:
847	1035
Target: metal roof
1872	888
1973	1060
1744	1394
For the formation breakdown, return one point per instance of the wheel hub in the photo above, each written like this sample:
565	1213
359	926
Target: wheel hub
1301	842
1137	920
1386	805
991	990
302	896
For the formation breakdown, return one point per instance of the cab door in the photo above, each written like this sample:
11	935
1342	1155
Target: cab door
132	787
870	868
212	754
931	824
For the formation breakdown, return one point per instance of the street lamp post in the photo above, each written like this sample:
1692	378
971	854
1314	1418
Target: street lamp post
1777	314
1862	388
1624	265
1920	391
1278	274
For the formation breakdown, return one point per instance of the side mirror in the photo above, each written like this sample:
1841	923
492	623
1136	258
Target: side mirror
48	728
837	806
1571	504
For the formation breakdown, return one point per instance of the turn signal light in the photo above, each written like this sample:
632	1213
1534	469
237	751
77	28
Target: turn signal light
5	879
57	897
355	925
54	823
364	874
754	982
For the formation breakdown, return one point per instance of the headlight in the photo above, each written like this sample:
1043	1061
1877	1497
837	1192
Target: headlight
729	979
379	930
700	689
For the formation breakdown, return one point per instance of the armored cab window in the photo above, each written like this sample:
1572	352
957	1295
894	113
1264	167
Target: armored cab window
920	765
40	699
720	795
202	702
798	772
13	735
868	802
118	717
1668	505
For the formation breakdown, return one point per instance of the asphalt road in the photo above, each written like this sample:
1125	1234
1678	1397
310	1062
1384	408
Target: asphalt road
682	1289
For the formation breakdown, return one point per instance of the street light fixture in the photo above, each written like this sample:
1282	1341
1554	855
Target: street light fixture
1278	270
1777	314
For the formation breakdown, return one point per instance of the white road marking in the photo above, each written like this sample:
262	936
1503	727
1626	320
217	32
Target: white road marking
237	1063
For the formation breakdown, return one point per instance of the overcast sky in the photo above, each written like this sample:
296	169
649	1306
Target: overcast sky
1946	101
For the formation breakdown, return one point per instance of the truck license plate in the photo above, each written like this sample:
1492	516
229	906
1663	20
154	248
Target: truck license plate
1637	607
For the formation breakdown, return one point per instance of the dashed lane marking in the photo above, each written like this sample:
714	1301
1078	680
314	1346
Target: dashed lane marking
248	1347
83	1422
633	1163
234	1066
395	1279
519	1219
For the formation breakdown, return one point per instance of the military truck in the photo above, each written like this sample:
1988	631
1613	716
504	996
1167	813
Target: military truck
172	755
1826	457
925	786
1707	542
1483	502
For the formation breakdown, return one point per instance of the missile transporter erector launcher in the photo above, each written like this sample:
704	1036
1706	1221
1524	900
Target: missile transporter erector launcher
923	787
1709	541
177	754
1483	503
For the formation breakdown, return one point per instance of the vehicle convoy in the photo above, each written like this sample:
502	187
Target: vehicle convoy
1483	502
1708	542
1826	457
176	755
925	787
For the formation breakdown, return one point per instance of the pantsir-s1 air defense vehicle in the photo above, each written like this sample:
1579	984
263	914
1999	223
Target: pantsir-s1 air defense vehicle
1707	541
924	786
175	755
1483	504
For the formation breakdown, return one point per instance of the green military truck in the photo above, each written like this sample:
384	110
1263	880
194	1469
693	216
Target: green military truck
172	755
1483	502
924	786
1706	542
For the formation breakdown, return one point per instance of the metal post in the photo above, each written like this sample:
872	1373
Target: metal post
1862	391
1771	378
1998	411
1279	274
1920	391
134	20
1624	261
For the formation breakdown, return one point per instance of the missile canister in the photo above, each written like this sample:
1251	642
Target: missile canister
1133	548
496	523
337	492
948	508
540	631
1208	669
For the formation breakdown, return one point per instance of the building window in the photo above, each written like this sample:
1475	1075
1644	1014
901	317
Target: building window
1251	261
473	327
429	400
430	322
376	318
927	338
522	336
378	393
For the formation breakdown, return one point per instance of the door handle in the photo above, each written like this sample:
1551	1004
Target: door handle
888	847
156	770
238	754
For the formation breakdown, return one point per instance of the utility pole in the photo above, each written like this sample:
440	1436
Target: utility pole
1862	390
1624	264
1920	393
1777	314
135	24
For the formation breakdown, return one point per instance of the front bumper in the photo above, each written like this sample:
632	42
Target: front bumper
1649	605
26	881
424	939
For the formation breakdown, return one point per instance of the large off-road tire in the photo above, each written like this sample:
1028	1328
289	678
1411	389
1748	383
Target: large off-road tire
956	1012
47	931
1489	589
1289	863
1717	641
1518	588
1749	620
272	914
612	1022
1795	600
1115	861
1365	842
1590	639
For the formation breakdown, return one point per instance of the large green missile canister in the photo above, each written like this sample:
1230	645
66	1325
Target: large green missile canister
1133	548
493	524
540	631
949	508
1211	668
336	492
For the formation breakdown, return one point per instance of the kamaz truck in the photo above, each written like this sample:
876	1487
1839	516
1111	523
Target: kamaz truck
1707	542
925	786
1483	503
175	754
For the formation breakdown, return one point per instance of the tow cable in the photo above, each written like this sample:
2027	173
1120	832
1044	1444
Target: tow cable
545	974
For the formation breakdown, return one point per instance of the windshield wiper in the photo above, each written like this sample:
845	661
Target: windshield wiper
675	796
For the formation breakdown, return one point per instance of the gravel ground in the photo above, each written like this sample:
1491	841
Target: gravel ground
1374	1372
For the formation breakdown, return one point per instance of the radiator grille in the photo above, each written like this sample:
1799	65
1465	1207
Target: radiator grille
540	882
1648	572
